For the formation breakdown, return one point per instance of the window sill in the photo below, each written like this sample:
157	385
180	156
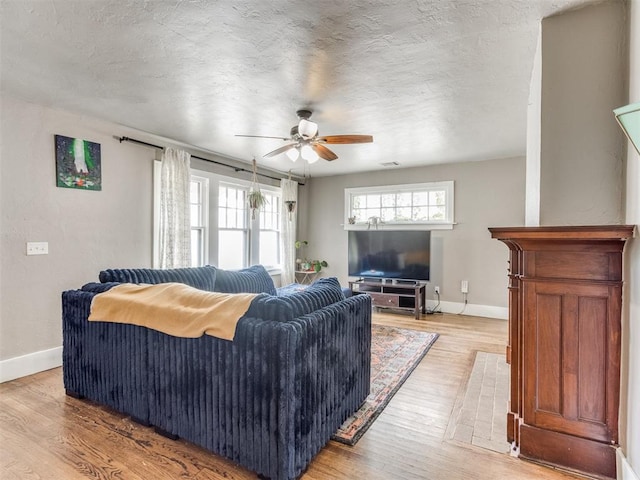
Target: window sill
399	226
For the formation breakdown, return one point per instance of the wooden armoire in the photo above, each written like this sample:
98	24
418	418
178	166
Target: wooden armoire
565	301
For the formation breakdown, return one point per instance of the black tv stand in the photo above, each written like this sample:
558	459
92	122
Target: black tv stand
398	296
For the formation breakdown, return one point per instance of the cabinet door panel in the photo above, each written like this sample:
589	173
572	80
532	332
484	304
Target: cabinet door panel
567	331
592	374
548	336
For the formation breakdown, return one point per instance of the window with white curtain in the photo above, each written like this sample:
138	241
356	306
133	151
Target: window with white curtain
222	232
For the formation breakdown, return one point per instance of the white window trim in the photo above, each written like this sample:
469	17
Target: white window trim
252	225
157	168
204	185
446	224
247	228
277	193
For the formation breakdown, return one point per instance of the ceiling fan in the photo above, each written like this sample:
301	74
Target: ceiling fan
306	143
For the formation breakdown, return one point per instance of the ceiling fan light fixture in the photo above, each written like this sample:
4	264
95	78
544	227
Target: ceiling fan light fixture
307	129
309	154
305	142
293	154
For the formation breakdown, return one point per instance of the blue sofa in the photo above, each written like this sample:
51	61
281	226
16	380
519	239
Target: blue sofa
269	400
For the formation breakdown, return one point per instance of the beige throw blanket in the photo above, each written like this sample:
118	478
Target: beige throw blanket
172	308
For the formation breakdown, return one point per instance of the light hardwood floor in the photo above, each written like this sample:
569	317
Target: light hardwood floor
47	435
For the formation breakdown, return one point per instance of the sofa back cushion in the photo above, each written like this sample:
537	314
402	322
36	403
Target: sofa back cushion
254	279
319	294
98	287
203	278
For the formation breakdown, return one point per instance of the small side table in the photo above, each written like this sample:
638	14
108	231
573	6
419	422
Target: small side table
306	276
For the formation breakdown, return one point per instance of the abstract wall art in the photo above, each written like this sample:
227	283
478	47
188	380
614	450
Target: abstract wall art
78	163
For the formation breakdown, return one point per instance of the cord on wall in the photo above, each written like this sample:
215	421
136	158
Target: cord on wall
435	309
464	306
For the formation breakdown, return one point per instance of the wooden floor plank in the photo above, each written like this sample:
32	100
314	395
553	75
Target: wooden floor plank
46	435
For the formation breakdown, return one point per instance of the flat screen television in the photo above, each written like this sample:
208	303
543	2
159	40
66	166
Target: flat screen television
389	254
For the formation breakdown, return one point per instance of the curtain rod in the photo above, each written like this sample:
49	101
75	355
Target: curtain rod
237	169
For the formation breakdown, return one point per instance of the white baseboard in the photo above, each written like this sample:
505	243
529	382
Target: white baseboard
625	472
489	311
29	364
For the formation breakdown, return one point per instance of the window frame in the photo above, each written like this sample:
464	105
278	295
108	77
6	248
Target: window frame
245	229
276	211
253	226
204	227
446	224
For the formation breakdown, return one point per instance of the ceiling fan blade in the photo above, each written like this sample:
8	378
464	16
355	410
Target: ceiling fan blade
280	150
324	152
263	136
345	139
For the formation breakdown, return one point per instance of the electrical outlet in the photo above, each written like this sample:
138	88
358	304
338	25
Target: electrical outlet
37	248
436	289
464	286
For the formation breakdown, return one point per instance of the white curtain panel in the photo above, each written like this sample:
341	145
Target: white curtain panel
288	228
175	220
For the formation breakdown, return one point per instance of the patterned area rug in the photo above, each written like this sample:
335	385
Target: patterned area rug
395	352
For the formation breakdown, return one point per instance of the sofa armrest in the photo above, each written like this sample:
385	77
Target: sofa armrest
104	362
333	371
272	398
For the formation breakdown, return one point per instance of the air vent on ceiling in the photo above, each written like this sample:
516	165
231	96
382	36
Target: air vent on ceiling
390	164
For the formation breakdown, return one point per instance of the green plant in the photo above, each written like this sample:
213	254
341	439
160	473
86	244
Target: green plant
256	200
306	264
317	265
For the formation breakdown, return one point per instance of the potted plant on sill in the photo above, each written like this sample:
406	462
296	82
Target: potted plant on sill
308	265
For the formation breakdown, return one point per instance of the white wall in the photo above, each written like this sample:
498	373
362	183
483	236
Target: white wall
87	230
534	124
487	194
630	415
581	155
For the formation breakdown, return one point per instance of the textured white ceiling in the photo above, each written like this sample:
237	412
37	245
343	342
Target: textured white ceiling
433	81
